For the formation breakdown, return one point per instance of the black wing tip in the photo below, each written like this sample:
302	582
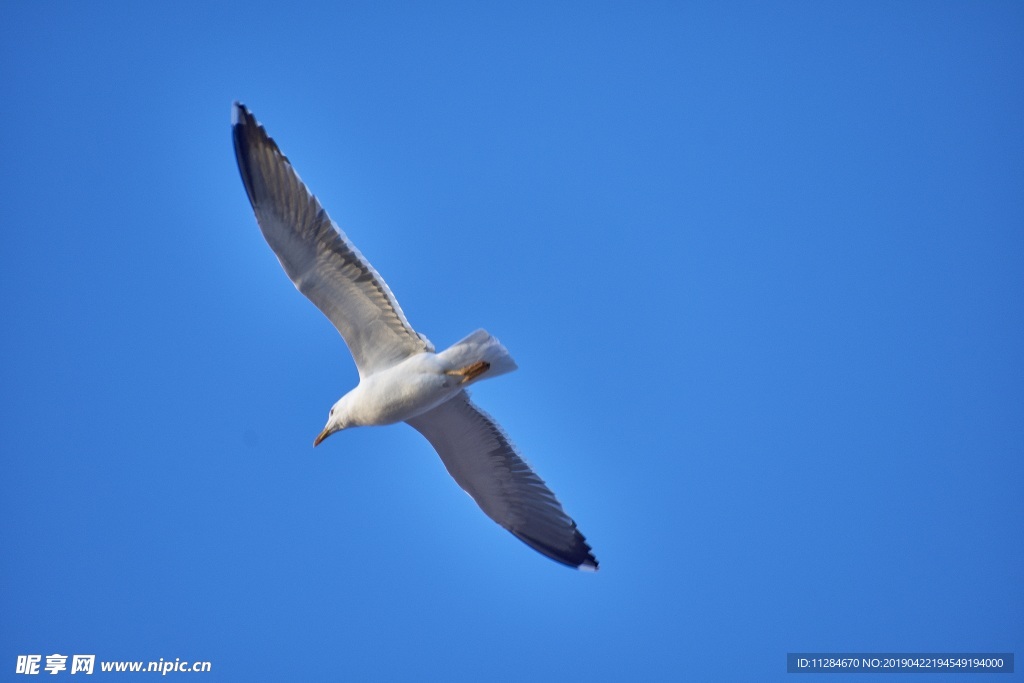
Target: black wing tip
579	556
250	140
241	120
245	128
241	117
248	134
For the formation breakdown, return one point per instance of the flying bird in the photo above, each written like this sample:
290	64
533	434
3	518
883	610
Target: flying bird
401	376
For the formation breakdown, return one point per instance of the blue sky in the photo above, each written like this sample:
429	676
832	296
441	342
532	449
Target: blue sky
760	266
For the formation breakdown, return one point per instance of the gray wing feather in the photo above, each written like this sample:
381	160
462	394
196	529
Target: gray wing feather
483	461
318	257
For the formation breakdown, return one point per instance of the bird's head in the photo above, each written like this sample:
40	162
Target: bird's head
337	420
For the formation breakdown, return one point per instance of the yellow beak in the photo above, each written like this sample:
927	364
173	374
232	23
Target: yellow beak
320	437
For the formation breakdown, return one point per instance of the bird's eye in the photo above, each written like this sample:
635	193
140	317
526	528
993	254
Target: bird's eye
331	414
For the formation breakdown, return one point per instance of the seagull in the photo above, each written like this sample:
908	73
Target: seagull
401	376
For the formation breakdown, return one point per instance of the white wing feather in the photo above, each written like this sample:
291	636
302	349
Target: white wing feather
318	257
483	461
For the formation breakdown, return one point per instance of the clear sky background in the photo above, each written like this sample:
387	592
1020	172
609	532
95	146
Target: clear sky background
761	266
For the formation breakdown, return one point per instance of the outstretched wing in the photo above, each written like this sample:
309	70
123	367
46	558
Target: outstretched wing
483	461
318	257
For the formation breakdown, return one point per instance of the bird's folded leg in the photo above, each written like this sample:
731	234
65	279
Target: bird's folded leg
470	372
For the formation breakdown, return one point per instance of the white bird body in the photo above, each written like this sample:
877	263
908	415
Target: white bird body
418	384
401	378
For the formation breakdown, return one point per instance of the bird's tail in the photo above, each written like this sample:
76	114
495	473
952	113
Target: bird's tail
476	348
